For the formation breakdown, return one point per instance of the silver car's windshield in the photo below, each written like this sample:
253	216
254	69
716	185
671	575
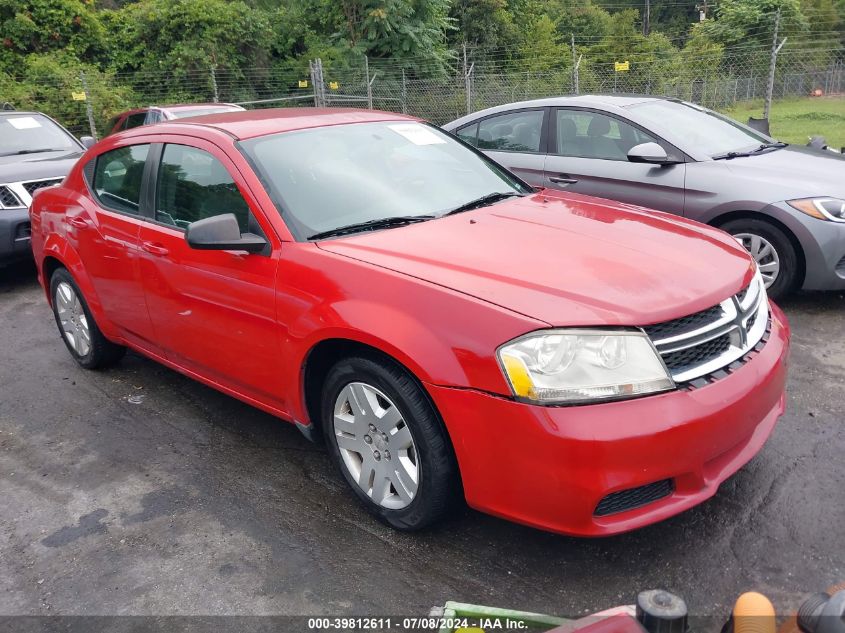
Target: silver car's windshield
341	175
32	134
698	128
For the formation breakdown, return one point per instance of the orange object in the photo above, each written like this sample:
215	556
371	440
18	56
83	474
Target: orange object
817	92
753	613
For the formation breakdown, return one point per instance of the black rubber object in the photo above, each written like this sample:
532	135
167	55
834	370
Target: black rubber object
787	279
660	611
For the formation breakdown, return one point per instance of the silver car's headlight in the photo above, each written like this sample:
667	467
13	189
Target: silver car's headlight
821	208
566	366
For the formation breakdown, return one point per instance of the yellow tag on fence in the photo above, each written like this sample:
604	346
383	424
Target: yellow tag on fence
303	83
334	85
78	96
621	66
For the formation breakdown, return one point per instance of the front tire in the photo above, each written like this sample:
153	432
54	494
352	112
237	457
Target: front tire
77	326
388	442
771	249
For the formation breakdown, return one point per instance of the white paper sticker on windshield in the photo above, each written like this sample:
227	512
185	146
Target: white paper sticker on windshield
417	134
23	122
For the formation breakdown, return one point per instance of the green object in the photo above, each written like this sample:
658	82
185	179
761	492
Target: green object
531	621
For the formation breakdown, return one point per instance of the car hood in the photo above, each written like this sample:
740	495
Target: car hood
565	259
793	172
37	166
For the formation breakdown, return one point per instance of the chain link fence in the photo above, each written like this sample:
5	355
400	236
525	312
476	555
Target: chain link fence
440	94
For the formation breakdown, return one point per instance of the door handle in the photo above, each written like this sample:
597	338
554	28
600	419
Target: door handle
154	248
78	222
563	179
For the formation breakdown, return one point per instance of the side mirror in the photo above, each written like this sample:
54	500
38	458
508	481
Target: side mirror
87	141
649	153
222	233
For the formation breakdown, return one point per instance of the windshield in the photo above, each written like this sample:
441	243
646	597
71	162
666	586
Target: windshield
32	133
704	130
184	114
335	176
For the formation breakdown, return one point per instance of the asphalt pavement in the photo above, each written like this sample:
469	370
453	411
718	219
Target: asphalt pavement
139	491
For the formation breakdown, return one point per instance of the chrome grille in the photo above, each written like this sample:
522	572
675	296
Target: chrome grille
705	342
693	356
8	199
684	324
34	185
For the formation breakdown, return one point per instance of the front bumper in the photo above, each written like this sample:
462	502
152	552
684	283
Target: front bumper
14	234
823	245
549	467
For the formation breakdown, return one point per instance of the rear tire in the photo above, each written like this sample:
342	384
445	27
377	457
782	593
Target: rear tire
77	326
771	249
384	435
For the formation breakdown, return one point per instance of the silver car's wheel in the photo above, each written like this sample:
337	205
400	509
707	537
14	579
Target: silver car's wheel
376	445
764	253
72	319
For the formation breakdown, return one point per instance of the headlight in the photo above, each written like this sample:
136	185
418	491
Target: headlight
571	366
821	208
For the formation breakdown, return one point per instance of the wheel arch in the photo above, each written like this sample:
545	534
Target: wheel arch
50	265
59	254
720	220
324	354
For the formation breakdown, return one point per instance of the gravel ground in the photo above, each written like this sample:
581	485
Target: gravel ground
138	491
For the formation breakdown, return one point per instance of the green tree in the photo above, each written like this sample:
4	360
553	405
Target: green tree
397	28
50	80
542	48
747	22
41	26
483	23
180	36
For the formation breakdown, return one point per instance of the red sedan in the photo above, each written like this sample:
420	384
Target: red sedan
567	362
156	114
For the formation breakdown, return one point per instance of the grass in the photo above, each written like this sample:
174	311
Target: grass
795	120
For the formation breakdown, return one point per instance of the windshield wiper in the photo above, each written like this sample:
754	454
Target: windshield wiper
483	201
371	225
29	151
761	148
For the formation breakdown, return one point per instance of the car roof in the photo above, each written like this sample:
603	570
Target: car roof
25	112
599	101
247	124
194	106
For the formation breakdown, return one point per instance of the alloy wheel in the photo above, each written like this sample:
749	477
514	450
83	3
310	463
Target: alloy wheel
376	445
764	253
72	318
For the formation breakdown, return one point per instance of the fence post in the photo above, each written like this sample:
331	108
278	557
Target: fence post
369	88
770	86
468	80
214	84
575	64
370	81
404	94
321	84
89	110
313	75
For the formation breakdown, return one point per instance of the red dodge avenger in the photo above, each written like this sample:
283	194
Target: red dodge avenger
563	361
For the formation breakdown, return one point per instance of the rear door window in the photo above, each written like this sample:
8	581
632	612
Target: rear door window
135	120
512	132
118	176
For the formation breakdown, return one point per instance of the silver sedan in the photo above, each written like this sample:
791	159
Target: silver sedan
784	203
